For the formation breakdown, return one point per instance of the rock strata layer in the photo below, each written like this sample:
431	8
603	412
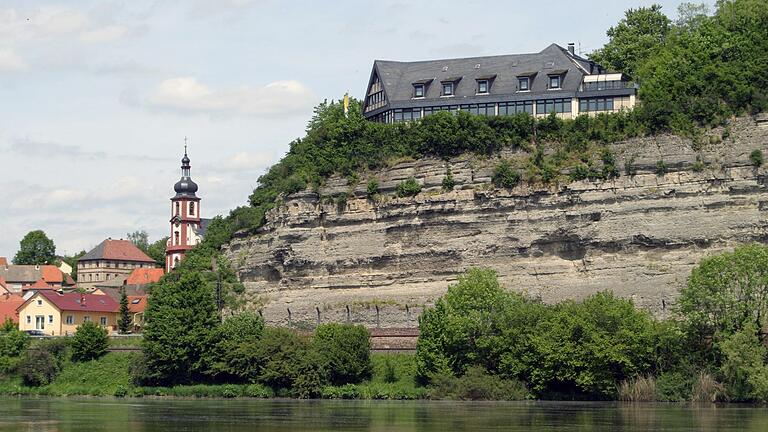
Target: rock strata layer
336	255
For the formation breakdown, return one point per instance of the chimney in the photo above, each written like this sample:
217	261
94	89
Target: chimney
572	48
82	300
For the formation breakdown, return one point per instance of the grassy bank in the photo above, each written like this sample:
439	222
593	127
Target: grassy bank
393	378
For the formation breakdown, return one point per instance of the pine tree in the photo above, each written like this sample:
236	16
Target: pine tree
124	323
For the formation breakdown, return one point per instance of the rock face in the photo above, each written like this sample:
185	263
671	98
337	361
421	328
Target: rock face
380	261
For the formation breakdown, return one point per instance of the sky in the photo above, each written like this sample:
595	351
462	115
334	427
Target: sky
96	97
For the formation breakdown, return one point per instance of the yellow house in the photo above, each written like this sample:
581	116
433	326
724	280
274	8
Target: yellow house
58	314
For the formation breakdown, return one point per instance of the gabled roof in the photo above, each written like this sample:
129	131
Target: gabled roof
116	250
40	284
31	273
74	301
143	276
398	77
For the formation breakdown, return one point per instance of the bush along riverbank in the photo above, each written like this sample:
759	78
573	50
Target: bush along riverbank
479	341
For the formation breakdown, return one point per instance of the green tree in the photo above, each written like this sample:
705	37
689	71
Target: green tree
634	39
181	317
744	368
726	291
89	342
124	321
691	15
35	248
140	239
241	331
347	350
156	250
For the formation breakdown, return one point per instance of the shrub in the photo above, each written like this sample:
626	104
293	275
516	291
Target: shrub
609	164
744	368
673	387
661	168
629	167
237	330
756	157
38	368
121	391
13	343
347	350
448	182
504	176
408	188
89	342
698	165
276	357
258	391
580	172
312	375
373	188
477	384
230	391
390	373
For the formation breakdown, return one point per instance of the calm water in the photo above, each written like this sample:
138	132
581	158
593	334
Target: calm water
287	415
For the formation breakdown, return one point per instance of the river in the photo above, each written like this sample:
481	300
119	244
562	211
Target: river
60	414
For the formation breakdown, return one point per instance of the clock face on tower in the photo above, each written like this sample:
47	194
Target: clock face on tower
176	220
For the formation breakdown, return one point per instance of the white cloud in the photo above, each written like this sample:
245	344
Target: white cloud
50	22
186	94
104	34
10	61
248	161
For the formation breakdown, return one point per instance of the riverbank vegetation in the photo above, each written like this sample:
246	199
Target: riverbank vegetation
605	348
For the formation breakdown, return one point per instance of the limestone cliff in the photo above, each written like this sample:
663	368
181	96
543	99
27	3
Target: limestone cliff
378	262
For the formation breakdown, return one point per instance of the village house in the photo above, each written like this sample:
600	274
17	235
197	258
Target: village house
58	313
20	278
111	259
8	304
555	80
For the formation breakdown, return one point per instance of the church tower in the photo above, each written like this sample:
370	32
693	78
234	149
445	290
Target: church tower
185	217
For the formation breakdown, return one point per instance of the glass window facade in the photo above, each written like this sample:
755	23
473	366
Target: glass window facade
407	114
553	106
479	109
512	108
605	85
595	104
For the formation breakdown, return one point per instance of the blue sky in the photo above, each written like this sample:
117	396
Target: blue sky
98	96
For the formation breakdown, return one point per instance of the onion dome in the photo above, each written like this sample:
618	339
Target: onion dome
185	187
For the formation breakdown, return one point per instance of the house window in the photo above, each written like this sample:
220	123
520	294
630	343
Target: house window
554	82
39	302
103	321
482	86
86	318
29	319
418	91
50	319
70	320
524	83
448	89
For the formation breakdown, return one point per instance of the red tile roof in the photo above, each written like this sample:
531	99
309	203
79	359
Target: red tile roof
8	305
51	274
2	283
41	284
116	250
143	276
137	303
74	301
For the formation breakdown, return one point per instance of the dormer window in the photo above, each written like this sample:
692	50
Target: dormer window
482	86
524	83
447	89
554	82
418	91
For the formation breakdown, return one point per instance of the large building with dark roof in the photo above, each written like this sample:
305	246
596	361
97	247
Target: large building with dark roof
111	259
555	80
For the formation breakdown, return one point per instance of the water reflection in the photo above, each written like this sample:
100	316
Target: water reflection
288	415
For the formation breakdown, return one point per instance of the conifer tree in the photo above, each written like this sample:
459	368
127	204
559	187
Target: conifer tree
124	323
